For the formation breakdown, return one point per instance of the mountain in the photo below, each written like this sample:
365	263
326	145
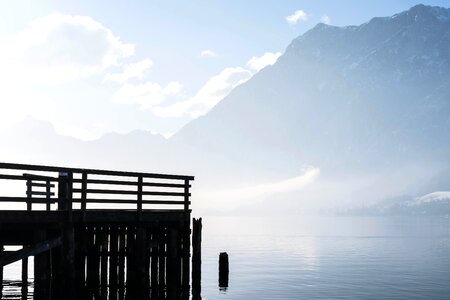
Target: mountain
355	97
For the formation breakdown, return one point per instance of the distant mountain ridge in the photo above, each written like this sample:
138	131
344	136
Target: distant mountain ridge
342	95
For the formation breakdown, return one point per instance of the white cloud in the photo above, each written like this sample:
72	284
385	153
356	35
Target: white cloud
208	53
136	70
325	19
214	90
60	48
146	95
267	59
297	16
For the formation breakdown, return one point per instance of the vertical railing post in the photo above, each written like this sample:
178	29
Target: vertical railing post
67	273
48	194
25	277
83	191
62	190
29	194
186	195
139	198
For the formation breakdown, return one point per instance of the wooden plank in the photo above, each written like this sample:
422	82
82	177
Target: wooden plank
139	196
29	251
186	196
26	167
48	187
81	238
1	273
93	263
104	264
83	190
25	279
26	199
121	266
37	184
132	201
154	264
131	264
113	263
128	183
55	266
173	270
140	265
126	192
68	247
185	258
41	269
39	193
196	258
162	262
12	177
29	196
39	177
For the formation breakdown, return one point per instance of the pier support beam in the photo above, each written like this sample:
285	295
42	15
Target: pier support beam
1	274
25	278
196	258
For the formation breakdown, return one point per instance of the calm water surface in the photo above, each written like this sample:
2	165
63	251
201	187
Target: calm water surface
328	258
321	258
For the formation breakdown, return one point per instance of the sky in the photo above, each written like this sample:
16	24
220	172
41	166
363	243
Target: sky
94	67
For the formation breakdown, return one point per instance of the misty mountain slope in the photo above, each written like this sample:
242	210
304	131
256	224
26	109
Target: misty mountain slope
343	97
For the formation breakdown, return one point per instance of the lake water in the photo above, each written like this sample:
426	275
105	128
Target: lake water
328	258
321	258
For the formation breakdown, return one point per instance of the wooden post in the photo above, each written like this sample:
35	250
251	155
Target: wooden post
131	265
48	194
83	191
223	270
121	266
162	269
154	264
41	269
92	263
141	271
113	263
68	273
196	258
81	234
55	266
1	274
139	198
186	239
173	263
29	194
104	263
25	278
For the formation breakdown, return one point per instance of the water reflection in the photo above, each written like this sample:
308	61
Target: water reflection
328	258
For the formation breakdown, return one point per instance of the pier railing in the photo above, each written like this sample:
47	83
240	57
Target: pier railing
59	188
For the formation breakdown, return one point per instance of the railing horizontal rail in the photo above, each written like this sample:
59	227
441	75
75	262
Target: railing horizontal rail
40	193
128	201
25	199
40	184
26	167
130	183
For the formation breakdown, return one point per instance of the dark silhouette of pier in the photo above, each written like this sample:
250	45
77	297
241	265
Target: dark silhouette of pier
97	234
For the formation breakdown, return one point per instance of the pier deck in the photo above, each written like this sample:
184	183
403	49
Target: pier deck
97	234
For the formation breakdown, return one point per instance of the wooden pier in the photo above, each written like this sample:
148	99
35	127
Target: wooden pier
97	234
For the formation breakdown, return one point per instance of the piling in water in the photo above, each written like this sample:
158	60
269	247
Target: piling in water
223	270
